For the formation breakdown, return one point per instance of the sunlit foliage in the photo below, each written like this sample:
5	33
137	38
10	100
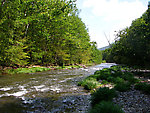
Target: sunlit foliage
43	32
133	44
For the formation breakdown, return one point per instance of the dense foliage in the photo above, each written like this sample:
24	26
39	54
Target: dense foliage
145	87
44	32
89	83
103	94
106	107
116	76
133	44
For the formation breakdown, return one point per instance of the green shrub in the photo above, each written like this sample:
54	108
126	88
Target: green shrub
123	86
118	80
105	71
140	86
129	77
133	80
89	83
97	72
117	74
115	68
125	68
115	80
110	79
102	77
27	70
105	82
102	94
80	83
143	87
106	107
94	76
120	68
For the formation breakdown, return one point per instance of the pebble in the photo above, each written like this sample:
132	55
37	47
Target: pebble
133	101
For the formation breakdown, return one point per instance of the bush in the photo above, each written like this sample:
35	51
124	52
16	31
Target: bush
27	70
94	76
105	82
116	68
89	83
115	80
123	86
97	72
110	79
102	77
103	74
127	76
106	107
116	73
140	86
143	87
118	80
133	80
102	94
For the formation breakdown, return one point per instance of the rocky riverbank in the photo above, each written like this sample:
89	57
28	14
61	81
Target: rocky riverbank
133	101
133	92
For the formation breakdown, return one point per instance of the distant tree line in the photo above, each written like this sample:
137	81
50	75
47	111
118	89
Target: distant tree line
132	46
44	32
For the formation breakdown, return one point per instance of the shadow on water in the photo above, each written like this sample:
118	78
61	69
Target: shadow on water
10	105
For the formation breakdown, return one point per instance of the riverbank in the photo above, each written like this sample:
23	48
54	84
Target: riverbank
133	93
37	68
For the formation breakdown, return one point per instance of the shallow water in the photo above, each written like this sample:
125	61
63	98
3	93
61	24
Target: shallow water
54	91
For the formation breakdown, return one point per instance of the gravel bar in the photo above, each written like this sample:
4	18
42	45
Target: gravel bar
133	101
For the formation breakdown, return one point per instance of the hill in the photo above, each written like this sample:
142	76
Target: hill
103	48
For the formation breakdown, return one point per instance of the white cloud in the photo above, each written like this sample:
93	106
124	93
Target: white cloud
114	15
114	9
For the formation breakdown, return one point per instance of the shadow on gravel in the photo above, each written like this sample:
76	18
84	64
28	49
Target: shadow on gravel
68	104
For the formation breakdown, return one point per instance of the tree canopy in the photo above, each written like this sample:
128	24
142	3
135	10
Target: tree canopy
43	32
133	44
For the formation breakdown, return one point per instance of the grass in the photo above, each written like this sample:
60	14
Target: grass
122	87
37	69
106	107
68	67
105	82
26	70
102	94
116	75
143	87
103	74
89	83
113	75
129	77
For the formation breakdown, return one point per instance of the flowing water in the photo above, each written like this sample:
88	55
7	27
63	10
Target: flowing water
54	91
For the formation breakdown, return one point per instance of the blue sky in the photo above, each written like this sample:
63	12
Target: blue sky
106	16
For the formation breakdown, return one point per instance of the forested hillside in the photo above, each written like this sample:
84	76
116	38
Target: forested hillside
44	32
132	46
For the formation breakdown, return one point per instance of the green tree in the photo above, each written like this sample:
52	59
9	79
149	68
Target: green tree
42	32
132	46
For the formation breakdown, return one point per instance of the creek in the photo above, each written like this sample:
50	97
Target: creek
54	91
